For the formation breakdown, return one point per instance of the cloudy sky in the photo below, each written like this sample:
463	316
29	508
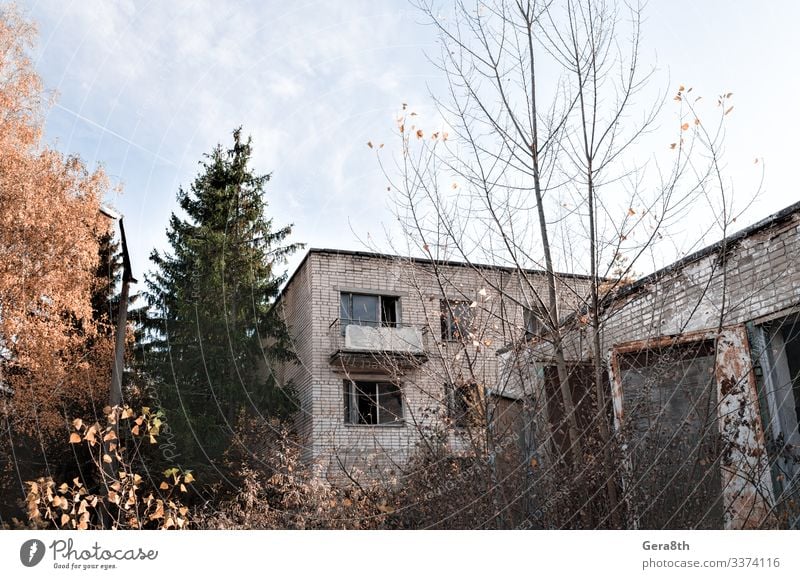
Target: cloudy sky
145	88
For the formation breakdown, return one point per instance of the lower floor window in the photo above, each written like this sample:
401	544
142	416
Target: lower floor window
372	403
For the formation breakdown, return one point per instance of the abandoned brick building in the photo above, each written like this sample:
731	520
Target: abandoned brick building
391	348
703	362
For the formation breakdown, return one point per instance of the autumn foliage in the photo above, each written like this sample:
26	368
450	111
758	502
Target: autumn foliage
50	225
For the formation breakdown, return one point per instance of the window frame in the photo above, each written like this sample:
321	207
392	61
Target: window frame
533	322
473	410
351	390
380	310
447	308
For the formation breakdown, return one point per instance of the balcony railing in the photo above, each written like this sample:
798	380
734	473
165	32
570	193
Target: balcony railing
359	344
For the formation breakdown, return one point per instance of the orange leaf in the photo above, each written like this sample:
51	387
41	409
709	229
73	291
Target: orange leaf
419	133
77	423
164	486
631	212
74	438
684	126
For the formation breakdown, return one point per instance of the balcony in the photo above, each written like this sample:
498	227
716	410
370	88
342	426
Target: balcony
383	348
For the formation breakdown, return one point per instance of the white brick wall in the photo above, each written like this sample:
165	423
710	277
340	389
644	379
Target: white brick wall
310	304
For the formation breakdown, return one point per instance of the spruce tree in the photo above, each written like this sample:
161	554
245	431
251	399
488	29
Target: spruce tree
211	333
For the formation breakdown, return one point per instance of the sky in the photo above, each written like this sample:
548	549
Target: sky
145	88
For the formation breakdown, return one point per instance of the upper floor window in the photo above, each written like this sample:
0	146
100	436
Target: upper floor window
369	310
457	317
372	403
533	319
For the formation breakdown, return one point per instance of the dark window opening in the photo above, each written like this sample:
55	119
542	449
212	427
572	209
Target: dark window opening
791	340
369	310
464	404
457	317
534	322
372	403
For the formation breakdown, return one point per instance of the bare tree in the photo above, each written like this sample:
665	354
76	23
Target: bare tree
539	164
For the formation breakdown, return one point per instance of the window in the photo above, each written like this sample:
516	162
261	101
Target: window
369	310
372	403
464	404
533	320
456	319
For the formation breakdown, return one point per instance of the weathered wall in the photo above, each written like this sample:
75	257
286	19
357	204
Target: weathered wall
378	451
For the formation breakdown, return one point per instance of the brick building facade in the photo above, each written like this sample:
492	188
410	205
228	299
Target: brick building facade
386	345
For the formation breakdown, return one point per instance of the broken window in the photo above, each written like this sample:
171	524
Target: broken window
777	345
464	404
368	310
533	318
372	403
670	409
457	317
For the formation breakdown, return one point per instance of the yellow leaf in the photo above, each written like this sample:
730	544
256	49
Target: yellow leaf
74	438
153	439
183	488
106	459
384	508
188	478
127	413
64	519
